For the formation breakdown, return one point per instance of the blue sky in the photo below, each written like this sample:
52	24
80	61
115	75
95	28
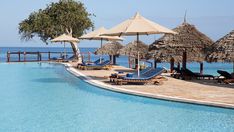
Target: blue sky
215	18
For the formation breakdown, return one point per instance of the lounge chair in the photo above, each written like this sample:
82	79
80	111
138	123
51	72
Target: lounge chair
225	74
228	78
188	74
228	81
151	76
85	63
99	61
120	74
176	73
103	65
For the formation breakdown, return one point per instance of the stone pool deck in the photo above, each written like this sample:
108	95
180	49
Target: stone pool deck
207	92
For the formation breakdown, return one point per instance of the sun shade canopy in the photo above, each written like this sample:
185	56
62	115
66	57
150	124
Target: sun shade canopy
138	25
95	35
65	38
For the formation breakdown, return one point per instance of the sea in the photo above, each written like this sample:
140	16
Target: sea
209	68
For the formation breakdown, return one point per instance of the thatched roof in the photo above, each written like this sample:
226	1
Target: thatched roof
132	48
223	49
173	45
110	48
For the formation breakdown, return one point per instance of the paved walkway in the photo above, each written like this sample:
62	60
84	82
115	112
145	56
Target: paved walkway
207	92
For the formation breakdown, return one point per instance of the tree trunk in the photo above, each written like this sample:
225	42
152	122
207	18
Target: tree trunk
76	52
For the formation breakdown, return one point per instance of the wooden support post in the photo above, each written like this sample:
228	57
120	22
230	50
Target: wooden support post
89	58
8	56
201	68
129	63
136	63
172	64
233	66
155	63
19	56
184	59
61	55
49	55
114	59
38	56
110	58
178	65
82	56
24	56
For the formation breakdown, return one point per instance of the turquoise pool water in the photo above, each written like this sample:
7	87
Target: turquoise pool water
37	97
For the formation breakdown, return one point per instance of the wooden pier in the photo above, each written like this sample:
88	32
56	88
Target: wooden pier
27	56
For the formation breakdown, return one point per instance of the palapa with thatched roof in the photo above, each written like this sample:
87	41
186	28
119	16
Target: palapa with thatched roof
132	48
110	48
223	49
188	43
187	38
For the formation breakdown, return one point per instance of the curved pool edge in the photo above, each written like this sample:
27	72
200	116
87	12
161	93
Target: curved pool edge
102	85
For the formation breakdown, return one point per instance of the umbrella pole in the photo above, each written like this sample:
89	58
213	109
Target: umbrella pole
113	60
138	62
101	54
65	56
129	62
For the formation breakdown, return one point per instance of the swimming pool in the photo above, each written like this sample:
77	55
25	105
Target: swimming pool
45	97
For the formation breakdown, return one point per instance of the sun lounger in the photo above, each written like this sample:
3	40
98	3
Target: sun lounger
103	65
176	73
120	74
228	81
225	74
151	76
85	63
99	61
228	78
188	75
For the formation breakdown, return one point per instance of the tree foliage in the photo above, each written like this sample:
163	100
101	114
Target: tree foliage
65	16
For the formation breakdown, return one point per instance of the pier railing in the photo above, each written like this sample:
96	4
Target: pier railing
41	56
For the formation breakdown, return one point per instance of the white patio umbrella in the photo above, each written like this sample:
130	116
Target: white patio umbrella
137	25
95	35
65	38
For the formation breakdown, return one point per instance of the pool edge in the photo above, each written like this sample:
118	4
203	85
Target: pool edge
102	85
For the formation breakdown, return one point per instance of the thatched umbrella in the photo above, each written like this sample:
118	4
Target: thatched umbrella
133	48
223	50
188	44
110	48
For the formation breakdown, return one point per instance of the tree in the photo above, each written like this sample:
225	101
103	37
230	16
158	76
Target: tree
65	16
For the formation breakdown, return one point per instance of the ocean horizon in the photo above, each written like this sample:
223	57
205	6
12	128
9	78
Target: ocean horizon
209	68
